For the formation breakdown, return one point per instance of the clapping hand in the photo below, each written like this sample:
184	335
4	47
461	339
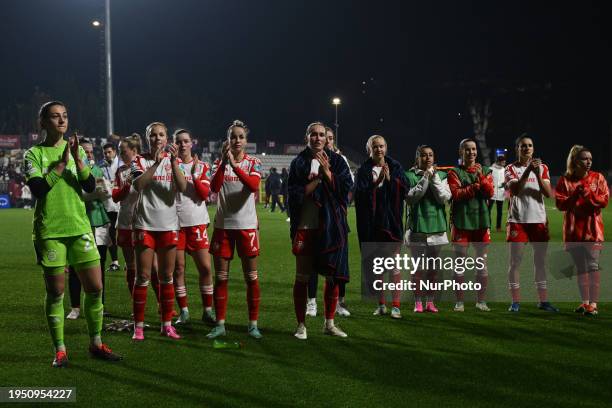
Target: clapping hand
173	150
535	166
323	159
196	164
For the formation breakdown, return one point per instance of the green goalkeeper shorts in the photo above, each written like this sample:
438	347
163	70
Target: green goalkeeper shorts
56	252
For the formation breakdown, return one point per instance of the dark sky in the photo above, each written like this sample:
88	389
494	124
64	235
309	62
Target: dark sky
277	64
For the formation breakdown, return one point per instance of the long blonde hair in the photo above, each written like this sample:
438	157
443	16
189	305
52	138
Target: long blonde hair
574	152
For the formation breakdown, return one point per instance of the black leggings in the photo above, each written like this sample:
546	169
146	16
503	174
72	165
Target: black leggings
313	283
499	205
113	234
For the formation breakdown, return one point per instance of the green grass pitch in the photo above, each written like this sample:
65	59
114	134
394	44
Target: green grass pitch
445	360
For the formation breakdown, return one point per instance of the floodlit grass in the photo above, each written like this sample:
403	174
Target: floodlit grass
450	359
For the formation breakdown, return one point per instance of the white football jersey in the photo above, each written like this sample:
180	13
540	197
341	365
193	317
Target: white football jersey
156	208
125	217
528	206
191	209
235	202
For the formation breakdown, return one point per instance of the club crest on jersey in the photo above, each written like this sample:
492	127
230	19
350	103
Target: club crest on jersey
52	255
514	234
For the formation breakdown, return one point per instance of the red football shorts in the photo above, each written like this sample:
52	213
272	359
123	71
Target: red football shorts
245	241
519	232
155	239
304	242
464	237
193	238
125	238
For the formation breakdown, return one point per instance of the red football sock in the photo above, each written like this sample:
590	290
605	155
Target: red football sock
516	294
460	279
220	298
130	276
431	278
483	280
167	301
397	294
253	299
206	291
416	279
139	302
542	291
181	296
155	285
300	297
330	299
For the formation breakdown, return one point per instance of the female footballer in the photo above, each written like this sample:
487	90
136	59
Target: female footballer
528	181
193	220
236	180
426	220
471	186
380	188
156	228
57	174
582	194
319	182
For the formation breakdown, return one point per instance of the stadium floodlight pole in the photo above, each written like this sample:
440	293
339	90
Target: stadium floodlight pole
109	71
336	102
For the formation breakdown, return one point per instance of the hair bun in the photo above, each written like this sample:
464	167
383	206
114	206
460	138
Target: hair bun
238	123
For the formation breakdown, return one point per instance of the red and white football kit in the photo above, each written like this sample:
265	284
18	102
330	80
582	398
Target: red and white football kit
236	225
155	219
527	220
191	207
582	220
236	222
127	197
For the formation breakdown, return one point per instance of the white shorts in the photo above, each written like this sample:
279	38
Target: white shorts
102	235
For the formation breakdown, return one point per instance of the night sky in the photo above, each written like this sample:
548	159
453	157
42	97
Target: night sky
403	69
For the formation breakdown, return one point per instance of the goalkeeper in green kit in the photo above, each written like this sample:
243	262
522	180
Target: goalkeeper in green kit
57	174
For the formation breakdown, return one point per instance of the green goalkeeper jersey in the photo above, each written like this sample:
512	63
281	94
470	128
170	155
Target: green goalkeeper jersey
61	212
